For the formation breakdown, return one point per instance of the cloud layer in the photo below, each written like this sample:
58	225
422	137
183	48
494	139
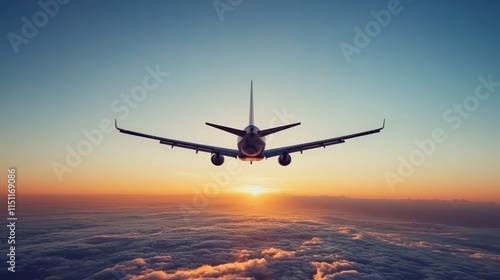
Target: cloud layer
151	240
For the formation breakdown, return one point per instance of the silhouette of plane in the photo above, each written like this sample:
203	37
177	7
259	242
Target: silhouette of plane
251	142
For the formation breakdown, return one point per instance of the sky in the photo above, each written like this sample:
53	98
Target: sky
430	69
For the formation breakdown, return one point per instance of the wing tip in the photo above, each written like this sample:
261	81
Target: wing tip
116	126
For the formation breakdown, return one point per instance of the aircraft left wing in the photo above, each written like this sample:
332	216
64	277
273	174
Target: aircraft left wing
183	144
318	144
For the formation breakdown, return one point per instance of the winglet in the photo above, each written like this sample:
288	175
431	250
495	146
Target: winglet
383	125
116	125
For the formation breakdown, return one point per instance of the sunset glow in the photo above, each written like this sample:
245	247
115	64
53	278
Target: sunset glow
253	190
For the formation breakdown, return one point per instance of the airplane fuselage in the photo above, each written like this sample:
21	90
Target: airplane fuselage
251	146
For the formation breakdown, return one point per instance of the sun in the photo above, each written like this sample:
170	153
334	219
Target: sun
253	190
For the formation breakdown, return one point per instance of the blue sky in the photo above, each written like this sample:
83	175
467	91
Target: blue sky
427	58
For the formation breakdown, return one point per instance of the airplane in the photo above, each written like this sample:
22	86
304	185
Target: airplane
251	141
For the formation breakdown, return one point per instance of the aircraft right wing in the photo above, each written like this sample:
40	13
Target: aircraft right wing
318	144
183	144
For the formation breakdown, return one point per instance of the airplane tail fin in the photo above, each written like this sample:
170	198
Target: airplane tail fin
268	131
235	131
251	104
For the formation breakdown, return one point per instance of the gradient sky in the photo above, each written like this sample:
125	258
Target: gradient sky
90	53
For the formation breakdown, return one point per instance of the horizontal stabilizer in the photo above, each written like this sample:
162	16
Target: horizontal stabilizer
268	131
234	131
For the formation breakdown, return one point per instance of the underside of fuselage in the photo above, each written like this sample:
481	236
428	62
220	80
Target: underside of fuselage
247	158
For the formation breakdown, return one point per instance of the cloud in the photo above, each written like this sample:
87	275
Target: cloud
151	240
277	253
244	255
138	269
313	241
326	270
207	271
155	275
485	256
120	270
457	212
356	235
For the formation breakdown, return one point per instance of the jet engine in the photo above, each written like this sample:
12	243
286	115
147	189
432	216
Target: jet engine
284	159
217	159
